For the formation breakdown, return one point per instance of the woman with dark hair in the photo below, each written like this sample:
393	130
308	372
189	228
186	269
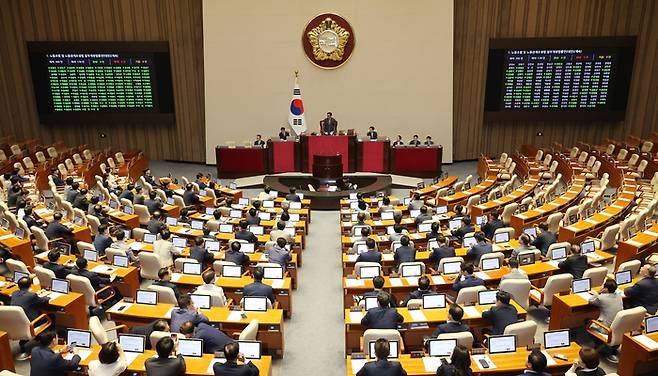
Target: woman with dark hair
111	361
460	363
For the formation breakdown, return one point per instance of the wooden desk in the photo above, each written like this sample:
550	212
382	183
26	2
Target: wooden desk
515	196
194	366
80	233
21	248
270	331
637	359
413	333
460	198
431	189
6	357
639	246
506	364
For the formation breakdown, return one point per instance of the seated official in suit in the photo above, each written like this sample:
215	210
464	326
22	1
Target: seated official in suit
466	278
428	141
258	142
29	218
405	252
372	133
414	141
56	230
213	338
111	361
454	323
139	196
165	281
544	239
575	264
383	316
128	193
165	249
252	216
459	212
442	251
47	362
60	270
536	364
378	286
158	325
281	233
587	364
372	254
97	282
493	224
200	253
102	240
524	246
235	363
464	229
189	196
514	271
152	203
283	134
167	363
386	205
329	125
360	223
482	247
121	244
423	216
155	225
398	232
435	230
72	193
417	202
382	366
185	216
244	234
198	179
186	311
29	301
278	254
81	202
502	314
258	288
234	255
398	141
293	196
645	292
423	289
209	285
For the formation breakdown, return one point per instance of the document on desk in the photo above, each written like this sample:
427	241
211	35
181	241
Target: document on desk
540	210
42	255
412	281
103	269
84	354
431	363
482	275
486	358
418	315
417	236
136	246
584	295
131	356
3	237
395	282
594	256
175	277
646	342
549	359
234	316
438	280
471	312
355	317
388	257
212	364
651	233
553	263
591	221
357	364
634	243
54	295
277	283
352	258
354	282
379	223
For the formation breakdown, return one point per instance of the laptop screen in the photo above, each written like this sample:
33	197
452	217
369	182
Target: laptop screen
651	324
469	241
556	338
432	243
171	221
255	303
411	270
369	272
232	271
211	245
79	338
361	247
20	233
226	228
114	204
414	213
371	302
257	230
200	301
60	285
179	242
501	237
272	272
235	214
623	277
441	209
18	275
78	221
455	224
587	246
393	353
481	220
387	215
431	301
149	238
233	185
487	297
268	204
170	201
425	227
248	248
243	201
441	347
146	297
120	261
502	344
530	231
581	285
127	209
559	253
90	255
295	205
197	225
452	267
490	263
527	258
265	216
250	349
192	268
210	211
132	342
190	347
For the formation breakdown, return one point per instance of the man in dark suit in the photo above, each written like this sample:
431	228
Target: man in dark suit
234	255
292	196
47	362
444	250
493	224
465	229
329	125
155	225
81	202
29	301
382	366
252	217
72	193
146	330
415	141
372	133
152	203
97	282
54	174
405	252
544	239
372	254
200	253
56	230
645	292
424	215
60	270
102	241
575	264
536	365
245	234
258	142
423	289
258	288
454	323
127	193
166	363
283	134
383	316
189	197
378	286
29	218
165	281
480	248
139	197
213	338
231	367
502	314
466	278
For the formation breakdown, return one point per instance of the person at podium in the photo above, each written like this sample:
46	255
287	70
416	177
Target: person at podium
329	125
284	134
372	133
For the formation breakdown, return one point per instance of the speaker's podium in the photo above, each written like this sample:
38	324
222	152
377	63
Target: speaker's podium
341	145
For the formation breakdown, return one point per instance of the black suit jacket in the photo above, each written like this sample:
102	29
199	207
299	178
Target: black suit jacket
30	302
246	235
170	285
574	264
190	198
490	227
543	241
382	318
155	227
460	232
153	205
57	230
440	253
500	317
60	271
165	366
405	254
382	368
644	293
127	194
81	203
259	289
45	362
450	327
201	255
236	257
370	256
233	369
30	221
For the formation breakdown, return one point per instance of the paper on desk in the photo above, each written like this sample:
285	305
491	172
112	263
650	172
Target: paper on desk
417	315
354	282
3	283
42	255
357	364
395	282
584	295
277	283
412	281
486	358
417	236
114	308
212	364
131	356
388	257
431	363
549	359
54	295
356	317
594	256
103	269
438	280
379	223
591	221
635	243
352	258
175	277
553	263
471	311
651	233
3	237
646	342
136	246
169	311
82	353
234	316
482	275
540	210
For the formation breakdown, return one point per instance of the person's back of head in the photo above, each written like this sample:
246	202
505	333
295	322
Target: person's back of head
458	209
281	242
461	360
187	329
185	301
208	276
119	234
57	216
198	241
161	326
466	221
513	263
252	212
365	232
383	299
378	282
235	246
217	214
109	353
386	201
152	195
53	256
404	240
495	214
164	347
423	283
382	349
184	212
479	236
651	271
543	226
165	234
81	263
280	225
163	272
423	209
370	243
397	228
231	351
456	312
244	224
46	337
442	240
575	250
24	283
156	215
589	357
361	217
610	285
259	273
416	196
503	296
524	239
468	268
435	227
537	361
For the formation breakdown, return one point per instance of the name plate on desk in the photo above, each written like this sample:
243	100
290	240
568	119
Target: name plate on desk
646	342
354	282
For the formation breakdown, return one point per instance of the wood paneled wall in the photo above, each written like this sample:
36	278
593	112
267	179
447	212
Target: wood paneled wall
176	21
476	21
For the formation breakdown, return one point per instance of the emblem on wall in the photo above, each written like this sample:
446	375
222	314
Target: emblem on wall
328	40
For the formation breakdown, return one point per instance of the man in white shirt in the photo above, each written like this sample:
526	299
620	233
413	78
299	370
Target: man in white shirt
281	233
265	195
514	271
165	250
111	361
209	287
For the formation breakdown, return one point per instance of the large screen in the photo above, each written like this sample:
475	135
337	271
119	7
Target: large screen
559	78
78	81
